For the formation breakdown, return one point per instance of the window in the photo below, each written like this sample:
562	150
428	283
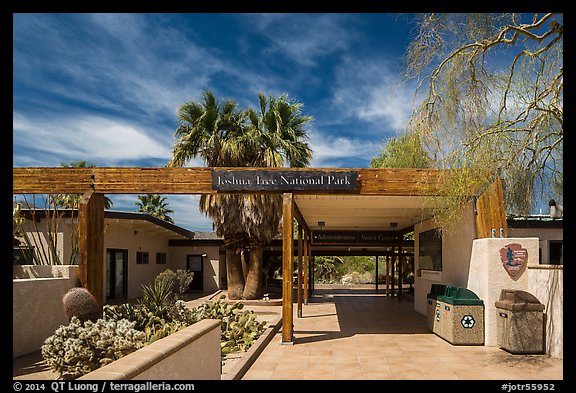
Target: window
141	257
160	258
555	251
430	250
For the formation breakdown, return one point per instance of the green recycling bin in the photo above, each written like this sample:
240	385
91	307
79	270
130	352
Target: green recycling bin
520	322
461	318
432	311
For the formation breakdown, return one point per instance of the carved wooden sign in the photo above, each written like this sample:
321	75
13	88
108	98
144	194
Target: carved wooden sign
513	258
283	180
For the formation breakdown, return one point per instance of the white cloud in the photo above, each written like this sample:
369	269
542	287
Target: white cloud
90	138
368	90
329	151
304	38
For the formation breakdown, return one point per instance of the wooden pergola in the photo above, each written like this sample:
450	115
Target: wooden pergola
352	199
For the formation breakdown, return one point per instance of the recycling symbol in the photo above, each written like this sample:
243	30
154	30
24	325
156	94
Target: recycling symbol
467	321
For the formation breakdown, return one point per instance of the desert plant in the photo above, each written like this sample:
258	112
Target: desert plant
179	280
81	347
326	269
179	312
157	297
183	278
156	331
240	332
132	312
79	302
239	329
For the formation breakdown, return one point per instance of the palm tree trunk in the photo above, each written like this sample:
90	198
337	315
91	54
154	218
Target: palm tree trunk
245	254
234	274
253	287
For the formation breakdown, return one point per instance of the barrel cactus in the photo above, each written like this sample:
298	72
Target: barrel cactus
79	302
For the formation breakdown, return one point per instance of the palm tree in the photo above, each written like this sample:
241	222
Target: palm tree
277	136
212	130
224	136
154	205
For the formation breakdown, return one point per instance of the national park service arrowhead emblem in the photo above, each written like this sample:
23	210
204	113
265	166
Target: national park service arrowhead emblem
513	258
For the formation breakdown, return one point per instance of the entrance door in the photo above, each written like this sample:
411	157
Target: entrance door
195	264
116	273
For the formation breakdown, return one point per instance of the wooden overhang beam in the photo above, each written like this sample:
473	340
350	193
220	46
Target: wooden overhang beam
198	180
300	218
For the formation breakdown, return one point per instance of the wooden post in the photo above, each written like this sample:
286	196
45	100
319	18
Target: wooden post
287	267
392	284
376	273
91	244
306	264
300	254
312	277
387	275
400	281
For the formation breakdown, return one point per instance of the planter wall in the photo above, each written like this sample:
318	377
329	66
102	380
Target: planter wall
37	309
192	353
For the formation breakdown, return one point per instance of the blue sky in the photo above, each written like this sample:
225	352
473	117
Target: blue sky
105	87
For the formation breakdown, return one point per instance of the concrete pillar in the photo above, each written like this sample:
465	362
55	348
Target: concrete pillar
488	276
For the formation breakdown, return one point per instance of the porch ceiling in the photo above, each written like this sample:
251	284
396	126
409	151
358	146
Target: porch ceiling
362	212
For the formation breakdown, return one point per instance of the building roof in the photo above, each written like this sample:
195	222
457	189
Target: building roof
120	215
534	221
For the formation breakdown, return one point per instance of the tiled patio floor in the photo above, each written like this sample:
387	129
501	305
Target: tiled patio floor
361	334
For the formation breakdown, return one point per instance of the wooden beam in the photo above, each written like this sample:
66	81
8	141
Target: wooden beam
491	213
162	180
124	180
91	244
300	260
287	268
306	265
300	218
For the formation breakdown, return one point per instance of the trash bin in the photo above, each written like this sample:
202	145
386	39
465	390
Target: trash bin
432	312
520	322
461	317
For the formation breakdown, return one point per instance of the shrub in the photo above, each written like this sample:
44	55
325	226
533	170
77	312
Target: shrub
184	279
82	347
179	281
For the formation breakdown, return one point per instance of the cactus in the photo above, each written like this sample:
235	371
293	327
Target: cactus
81	347
239	328
79	302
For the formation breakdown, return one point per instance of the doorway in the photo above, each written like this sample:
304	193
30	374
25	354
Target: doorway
116	273
195	264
